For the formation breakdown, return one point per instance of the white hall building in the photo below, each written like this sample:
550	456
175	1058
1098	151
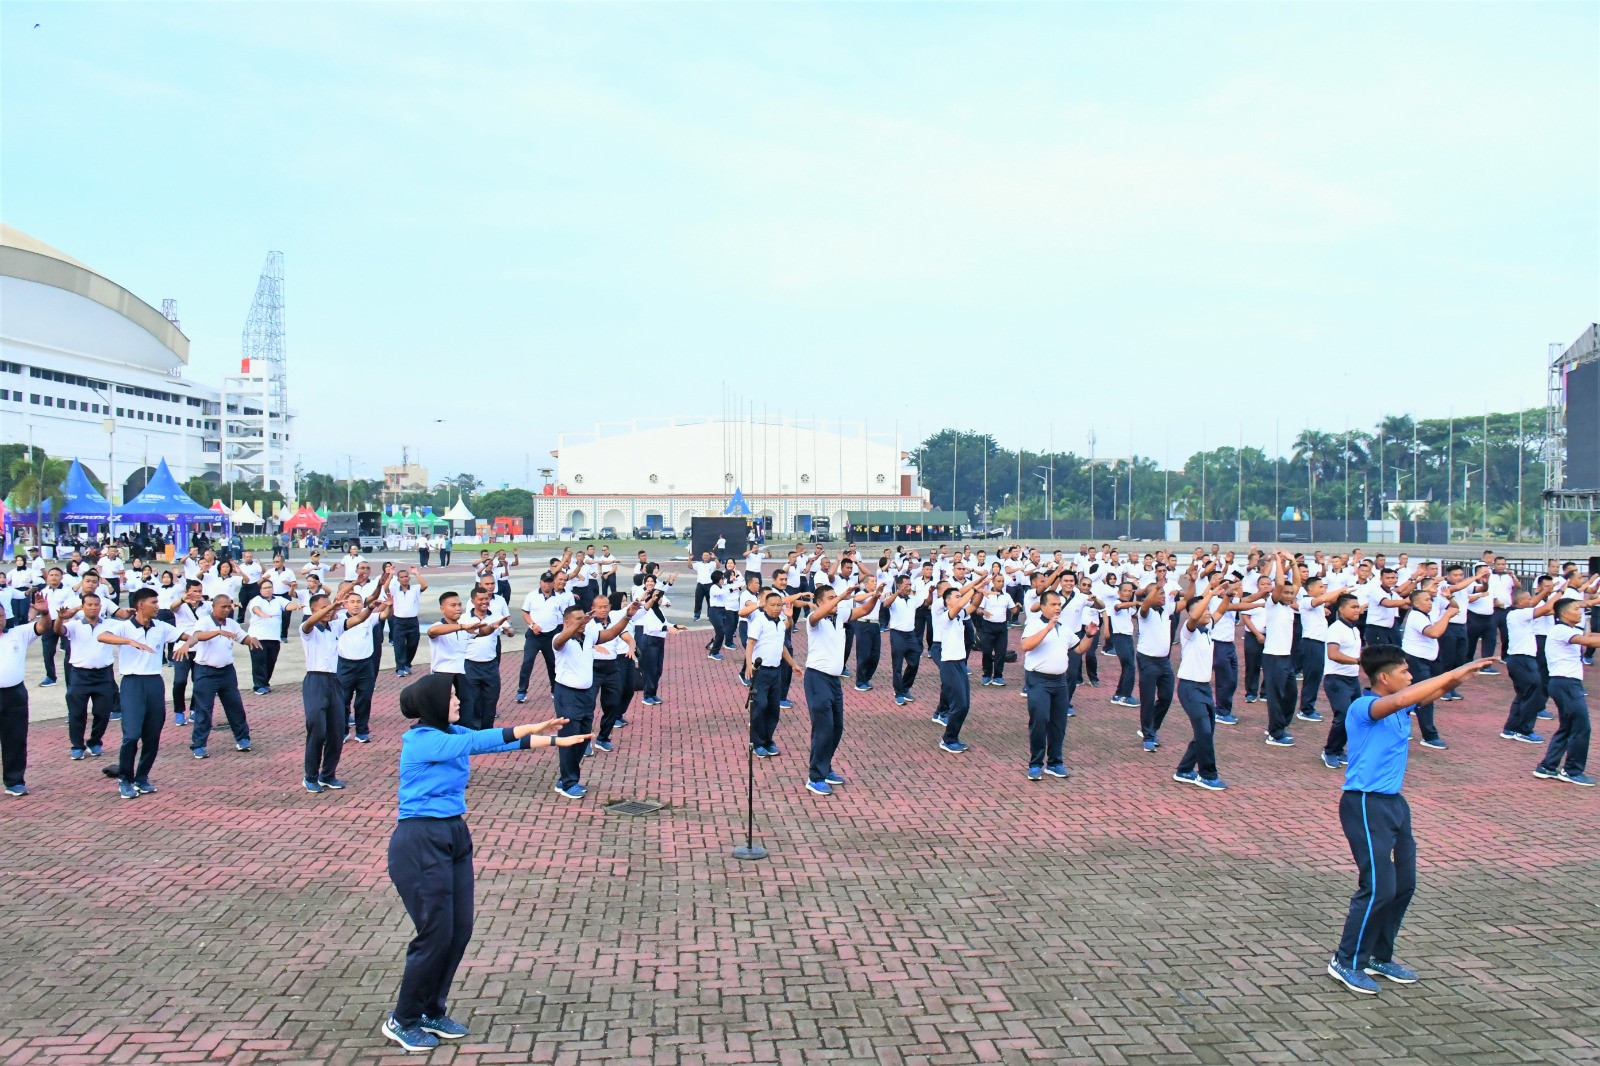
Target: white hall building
664	472
77	349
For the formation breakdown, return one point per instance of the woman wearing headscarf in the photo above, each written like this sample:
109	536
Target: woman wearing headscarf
430	853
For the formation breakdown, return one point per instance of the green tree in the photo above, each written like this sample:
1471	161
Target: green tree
514	503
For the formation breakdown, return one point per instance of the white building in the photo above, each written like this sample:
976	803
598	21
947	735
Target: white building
77	349
664	472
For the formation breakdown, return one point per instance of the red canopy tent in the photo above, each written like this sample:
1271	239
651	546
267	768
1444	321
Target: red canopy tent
303	520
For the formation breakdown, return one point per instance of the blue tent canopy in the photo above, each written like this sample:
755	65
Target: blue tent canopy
736	505
163	501
84	502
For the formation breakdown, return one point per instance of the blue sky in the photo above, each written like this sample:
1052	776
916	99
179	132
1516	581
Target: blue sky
1179	222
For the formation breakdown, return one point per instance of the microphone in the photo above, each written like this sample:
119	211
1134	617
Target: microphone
758	663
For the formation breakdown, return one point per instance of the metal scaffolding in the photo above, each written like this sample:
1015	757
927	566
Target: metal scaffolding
1558	499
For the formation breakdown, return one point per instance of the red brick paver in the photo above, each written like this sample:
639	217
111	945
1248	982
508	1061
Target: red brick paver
938	909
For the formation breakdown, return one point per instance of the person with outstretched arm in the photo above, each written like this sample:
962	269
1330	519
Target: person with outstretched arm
430	851
1376	817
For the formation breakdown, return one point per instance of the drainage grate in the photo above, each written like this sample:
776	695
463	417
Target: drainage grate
634	807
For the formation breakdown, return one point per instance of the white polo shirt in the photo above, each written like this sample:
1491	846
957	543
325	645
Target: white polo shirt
950	634
14	653
407	601
1277	627
825	646
703	571
87	651
1348	640
1313	618
1050	655
321	647
1414	641
135	663
1155	629
355	642
1195	648
265	617
767	637
575	658
1564	658
546	610
483	649
217	651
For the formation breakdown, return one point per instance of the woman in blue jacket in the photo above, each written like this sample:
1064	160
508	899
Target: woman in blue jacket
430	853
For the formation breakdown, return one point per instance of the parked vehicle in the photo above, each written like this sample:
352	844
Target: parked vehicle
565	534
666	533
608	532
364	529
586	533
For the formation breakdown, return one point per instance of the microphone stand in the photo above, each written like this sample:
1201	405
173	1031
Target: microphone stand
750	849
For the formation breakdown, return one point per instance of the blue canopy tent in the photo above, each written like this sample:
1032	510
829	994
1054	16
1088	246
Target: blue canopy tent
736	505
163	502
83	501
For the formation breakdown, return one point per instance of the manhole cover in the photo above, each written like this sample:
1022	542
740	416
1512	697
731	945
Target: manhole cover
634	807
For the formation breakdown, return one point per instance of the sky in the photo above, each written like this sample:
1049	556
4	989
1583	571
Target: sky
1173	226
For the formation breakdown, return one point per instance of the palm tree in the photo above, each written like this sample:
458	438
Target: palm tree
37	479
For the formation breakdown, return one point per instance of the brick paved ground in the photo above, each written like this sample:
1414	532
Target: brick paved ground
940	909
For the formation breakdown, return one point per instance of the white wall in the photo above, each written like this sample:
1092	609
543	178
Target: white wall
714	458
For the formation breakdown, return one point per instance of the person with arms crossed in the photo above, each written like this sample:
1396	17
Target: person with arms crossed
215	677
139	640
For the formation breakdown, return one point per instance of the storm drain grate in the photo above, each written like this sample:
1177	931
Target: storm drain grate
634	807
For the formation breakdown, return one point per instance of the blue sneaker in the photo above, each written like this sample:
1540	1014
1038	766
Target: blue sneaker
16	791
844	673
1227	719
833	778
1213	784
821	788
1576	779
1035	773
602	745
985	682
1189	777
954	747
999	682
1071	713
715	655
899	701
1285	741
785	705
1351	978
1435	743
942	719
412	1038
363	738
621	723
126	790
199	753
77	754
1057	769
331	782
95	751
522	697
1393	971
573	792
47	682
443	1028
910	698
143	786
311	786
179	718
863	688
1545	775
1150	745
1532	738
1486	670
1330	760
745	681
772	751
761	751
1309	716
243	745
1547	716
